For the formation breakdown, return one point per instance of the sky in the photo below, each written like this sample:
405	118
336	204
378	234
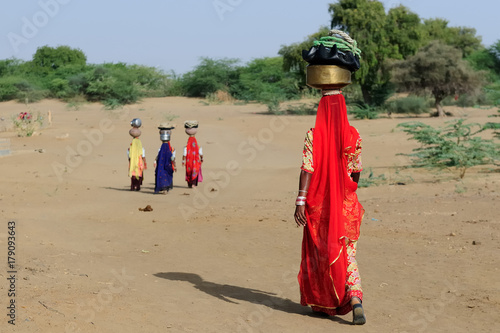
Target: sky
174	35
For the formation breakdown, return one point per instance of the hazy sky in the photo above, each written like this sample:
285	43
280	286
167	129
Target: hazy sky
173	35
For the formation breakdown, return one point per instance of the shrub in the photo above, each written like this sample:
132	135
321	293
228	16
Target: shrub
408	105
353	94
263	80
457	145
302	109
26	124
219	97
363	111
59	88
9	87
31	95
371	180
113	85
75	102
273	106
209	76
492	92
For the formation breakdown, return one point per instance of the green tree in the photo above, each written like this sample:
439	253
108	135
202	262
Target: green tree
48	58
292	55
437	68
404	31
365	21
462	38
487	59
483	59
263	80
12	66
209	76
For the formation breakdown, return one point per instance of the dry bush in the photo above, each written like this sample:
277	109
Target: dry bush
220	96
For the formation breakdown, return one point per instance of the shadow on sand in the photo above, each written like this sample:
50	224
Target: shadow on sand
229	293
147	189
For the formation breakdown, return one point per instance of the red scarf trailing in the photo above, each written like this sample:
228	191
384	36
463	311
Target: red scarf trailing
193	164
323	270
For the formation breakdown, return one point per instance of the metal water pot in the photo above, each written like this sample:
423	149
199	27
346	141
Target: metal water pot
165	135
136	122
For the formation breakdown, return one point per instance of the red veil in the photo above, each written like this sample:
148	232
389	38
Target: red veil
193	164
323	269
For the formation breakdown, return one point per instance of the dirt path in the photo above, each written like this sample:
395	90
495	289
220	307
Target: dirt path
224	257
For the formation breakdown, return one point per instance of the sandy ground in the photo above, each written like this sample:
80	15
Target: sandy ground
224	257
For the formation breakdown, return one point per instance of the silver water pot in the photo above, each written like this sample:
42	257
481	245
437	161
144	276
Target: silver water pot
136	122
165	135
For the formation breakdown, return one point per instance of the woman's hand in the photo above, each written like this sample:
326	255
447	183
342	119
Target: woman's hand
300	215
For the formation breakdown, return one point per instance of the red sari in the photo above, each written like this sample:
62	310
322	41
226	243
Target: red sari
323	270
193	162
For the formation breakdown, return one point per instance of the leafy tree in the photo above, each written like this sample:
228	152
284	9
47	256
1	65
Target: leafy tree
457	145
404	31
483	60
462	38
48	58
263	80
9	87
113	84
465	39
494	50
12	67
487	59
365	21
209	76
292	55
437	68
63	73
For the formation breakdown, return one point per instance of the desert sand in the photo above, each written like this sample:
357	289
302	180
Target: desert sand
224	257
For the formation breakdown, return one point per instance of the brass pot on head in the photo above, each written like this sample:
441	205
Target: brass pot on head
327	77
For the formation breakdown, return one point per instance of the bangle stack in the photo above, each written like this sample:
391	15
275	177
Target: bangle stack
301	201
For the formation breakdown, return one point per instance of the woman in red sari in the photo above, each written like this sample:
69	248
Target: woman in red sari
192	157
328	209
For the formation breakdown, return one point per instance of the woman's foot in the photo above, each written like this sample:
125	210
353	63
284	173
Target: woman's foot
358	314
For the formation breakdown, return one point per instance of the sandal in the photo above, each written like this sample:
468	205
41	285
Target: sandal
358	315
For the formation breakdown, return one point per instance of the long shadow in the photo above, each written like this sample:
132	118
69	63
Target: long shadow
125	189
144	189
226	292
184	187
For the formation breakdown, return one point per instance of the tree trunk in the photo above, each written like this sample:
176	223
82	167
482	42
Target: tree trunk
367	98
440	109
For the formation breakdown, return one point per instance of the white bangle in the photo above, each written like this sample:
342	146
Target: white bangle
300	201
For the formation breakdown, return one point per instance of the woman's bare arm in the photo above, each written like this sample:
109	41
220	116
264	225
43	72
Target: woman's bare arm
300	211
